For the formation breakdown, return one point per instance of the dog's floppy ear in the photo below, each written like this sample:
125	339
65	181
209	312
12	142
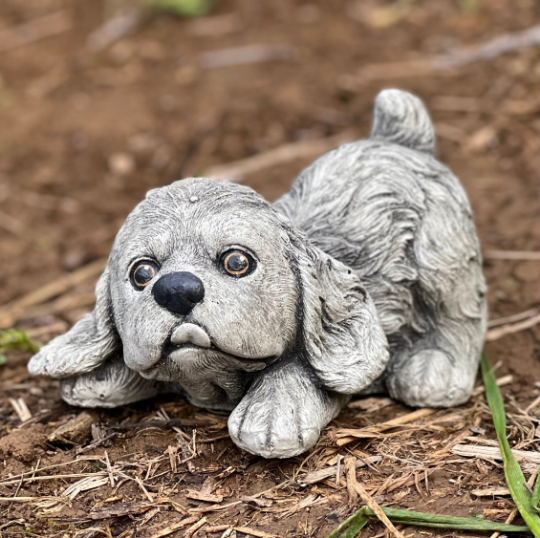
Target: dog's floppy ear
86	345
344	341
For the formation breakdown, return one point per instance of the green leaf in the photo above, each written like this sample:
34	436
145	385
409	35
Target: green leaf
17	339
512	471
535	498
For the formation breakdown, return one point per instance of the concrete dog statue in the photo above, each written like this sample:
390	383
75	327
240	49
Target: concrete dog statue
366	276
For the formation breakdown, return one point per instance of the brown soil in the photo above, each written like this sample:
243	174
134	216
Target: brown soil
67	112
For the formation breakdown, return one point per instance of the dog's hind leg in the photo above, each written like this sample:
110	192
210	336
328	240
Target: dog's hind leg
283	412
440	368
110	385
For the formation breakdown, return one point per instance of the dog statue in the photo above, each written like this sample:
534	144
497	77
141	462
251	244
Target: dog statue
365	277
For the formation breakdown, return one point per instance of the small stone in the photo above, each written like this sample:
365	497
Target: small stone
121	164
194	199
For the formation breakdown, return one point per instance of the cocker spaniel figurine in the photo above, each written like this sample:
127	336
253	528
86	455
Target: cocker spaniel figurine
365	277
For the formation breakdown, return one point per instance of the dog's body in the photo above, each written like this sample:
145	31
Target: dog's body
366	275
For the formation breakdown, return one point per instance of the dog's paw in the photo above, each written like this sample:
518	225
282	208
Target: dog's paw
429	378
110	385
282	414
273	432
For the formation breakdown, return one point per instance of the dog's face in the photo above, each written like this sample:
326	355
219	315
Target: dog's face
208	284
199	276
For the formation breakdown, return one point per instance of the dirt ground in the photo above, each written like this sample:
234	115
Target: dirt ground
85	134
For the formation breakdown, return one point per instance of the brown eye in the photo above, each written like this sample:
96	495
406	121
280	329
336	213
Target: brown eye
143	273
238	263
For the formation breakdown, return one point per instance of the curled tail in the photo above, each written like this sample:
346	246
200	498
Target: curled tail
402	118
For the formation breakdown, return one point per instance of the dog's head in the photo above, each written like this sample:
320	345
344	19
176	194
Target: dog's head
204	278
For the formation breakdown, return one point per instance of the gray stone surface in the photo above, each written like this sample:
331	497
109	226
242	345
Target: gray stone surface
366	274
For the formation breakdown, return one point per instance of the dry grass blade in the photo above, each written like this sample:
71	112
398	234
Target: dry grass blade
499	332
346	435
174	527
254	532
377	510
512	255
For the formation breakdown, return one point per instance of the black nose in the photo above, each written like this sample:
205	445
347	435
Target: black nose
179	292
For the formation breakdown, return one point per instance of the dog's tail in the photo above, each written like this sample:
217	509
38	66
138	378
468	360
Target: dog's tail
402	118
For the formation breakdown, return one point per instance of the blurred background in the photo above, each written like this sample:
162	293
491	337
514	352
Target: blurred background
101	101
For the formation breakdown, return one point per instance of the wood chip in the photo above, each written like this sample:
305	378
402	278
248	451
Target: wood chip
202	496
350	469
20	407
490	492
174	527
528	459
322	474
74	431
195	527
254	532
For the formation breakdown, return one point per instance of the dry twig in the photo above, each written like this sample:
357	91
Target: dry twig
306	149
499	332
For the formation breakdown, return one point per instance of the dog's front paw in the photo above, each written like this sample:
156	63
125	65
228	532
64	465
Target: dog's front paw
430	378
282	414
109	385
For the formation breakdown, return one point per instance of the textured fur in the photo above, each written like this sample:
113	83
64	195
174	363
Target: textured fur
368	276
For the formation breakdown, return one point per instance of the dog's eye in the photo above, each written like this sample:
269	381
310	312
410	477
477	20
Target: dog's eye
237	263
142	273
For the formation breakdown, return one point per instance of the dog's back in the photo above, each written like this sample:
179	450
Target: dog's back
401	220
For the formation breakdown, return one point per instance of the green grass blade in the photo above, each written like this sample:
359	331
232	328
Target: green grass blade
421	519
355	527
535	498
512	471
359	514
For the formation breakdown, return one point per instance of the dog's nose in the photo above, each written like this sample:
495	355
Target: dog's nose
179	292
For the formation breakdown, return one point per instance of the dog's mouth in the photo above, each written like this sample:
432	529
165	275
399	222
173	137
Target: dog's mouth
192	338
